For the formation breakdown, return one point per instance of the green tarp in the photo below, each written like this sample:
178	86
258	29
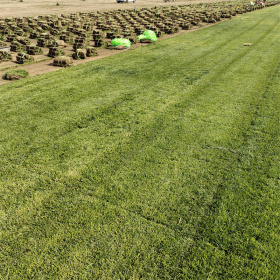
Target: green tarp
148	35
121	42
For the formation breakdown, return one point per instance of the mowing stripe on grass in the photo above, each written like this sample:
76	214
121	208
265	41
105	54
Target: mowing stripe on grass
240	238
119	174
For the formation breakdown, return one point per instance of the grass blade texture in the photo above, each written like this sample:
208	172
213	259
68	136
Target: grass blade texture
158	163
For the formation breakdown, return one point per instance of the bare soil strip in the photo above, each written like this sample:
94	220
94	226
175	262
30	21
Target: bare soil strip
14	8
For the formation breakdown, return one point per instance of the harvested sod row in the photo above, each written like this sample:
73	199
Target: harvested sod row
122	168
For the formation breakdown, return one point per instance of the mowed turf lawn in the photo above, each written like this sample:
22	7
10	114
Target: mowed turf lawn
157	163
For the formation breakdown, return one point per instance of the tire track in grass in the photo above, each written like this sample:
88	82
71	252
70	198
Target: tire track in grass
223	46
153	135
156	131
218	198
90	118
82	208
86	121
123	100
239	239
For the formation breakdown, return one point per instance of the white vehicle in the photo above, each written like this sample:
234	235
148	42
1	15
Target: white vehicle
126	1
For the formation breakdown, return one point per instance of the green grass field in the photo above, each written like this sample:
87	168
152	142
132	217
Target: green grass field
157	163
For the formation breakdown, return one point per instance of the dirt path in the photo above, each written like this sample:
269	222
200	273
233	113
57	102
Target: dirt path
46	66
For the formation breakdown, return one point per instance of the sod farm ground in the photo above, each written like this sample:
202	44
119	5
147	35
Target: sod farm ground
35	41
156	163
15	8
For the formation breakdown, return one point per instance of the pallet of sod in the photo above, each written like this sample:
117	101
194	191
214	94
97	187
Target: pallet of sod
80	54
24	58
17	47
55	51
91	51
33	50
62	61
5	56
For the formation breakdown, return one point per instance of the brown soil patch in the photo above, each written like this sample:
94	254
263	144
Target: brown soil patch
14	8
